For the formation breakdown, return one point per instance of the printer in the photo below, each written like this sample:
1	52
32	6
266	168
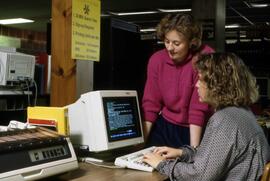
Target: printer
34	153
15	66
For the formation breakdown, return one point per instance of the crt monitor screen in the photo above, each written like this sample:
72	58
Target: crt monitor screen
121	117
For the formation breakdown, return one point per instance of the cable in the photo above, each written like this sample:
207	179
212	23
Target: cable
32	81
2	75
25	83
28	90
35	86
93	160
101	164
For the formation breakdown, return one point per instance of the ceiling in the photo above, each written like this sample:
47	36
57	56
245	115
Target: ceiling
37	10
237	11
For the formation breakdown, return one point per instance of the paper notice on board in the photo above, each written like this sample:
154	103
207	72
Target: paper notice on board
85	30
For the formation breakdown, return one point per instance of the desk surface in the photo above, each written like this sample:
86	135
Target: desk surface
88	172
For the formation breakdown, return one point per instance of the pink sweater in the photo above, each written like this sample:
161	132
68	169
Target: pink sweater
170	90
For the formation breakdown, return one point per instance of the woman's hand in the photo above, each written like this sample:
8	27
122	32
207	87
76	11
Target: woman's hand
168	152
160	154
153	159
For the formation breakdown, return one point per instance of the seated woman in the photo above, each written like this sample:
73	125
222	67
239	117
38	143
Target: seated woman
234	146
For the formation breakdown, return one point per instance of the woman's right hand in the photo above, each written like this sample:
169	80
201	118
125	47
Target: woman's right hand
168	152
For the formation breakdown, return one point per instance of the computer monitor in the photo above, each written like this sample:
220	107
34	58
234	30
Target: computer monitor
105	120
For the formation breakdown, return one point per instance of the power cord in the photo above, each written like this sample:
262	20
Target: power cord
100	164
25	83
83	151
2	71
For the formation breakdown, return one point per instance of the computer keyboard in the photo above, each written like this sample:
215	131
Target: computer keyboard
134	160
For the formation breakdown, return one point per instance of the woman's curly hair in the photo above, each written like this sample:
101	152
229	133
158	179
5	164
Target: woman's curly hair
182	23
228	80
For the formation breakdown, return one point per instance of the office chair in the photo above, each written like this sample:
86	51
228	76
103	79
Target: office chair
266	173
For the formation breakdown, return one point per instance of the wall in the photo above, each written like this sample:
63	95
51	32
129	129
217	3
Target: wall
31	42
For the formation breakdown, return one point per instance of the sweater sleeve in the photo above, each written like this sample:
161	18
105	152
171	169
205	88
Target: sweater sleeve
209	162
151	102
199	112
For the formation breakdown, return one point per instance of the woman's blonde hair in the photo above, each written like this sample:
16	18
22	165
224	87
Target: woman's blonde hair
182	23
229	81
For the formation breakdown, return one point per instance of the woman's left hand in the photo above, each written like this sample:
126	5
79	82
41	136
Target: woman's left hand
153	159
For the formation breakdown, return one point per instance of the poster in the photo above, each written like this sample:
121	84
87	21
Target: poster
85	41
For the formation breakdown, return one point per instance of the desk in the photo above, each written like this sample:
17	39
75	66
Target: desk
89	172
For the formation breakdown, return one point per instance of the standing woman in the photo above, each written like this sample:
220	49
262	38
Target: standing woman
173	115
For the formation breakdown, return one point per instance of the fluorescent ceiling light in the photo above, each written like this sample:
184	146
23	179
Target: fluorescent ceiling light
245	40
15	21
133	13
258	5
243	36
104	15
231	41
174	10
148	30
232	26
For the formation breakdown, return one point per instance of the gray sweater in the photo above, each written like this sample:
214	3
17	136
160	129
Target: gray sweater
233	147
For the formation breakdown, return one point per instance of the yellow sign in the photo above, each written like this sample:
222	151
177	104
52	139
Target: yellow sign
85	29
